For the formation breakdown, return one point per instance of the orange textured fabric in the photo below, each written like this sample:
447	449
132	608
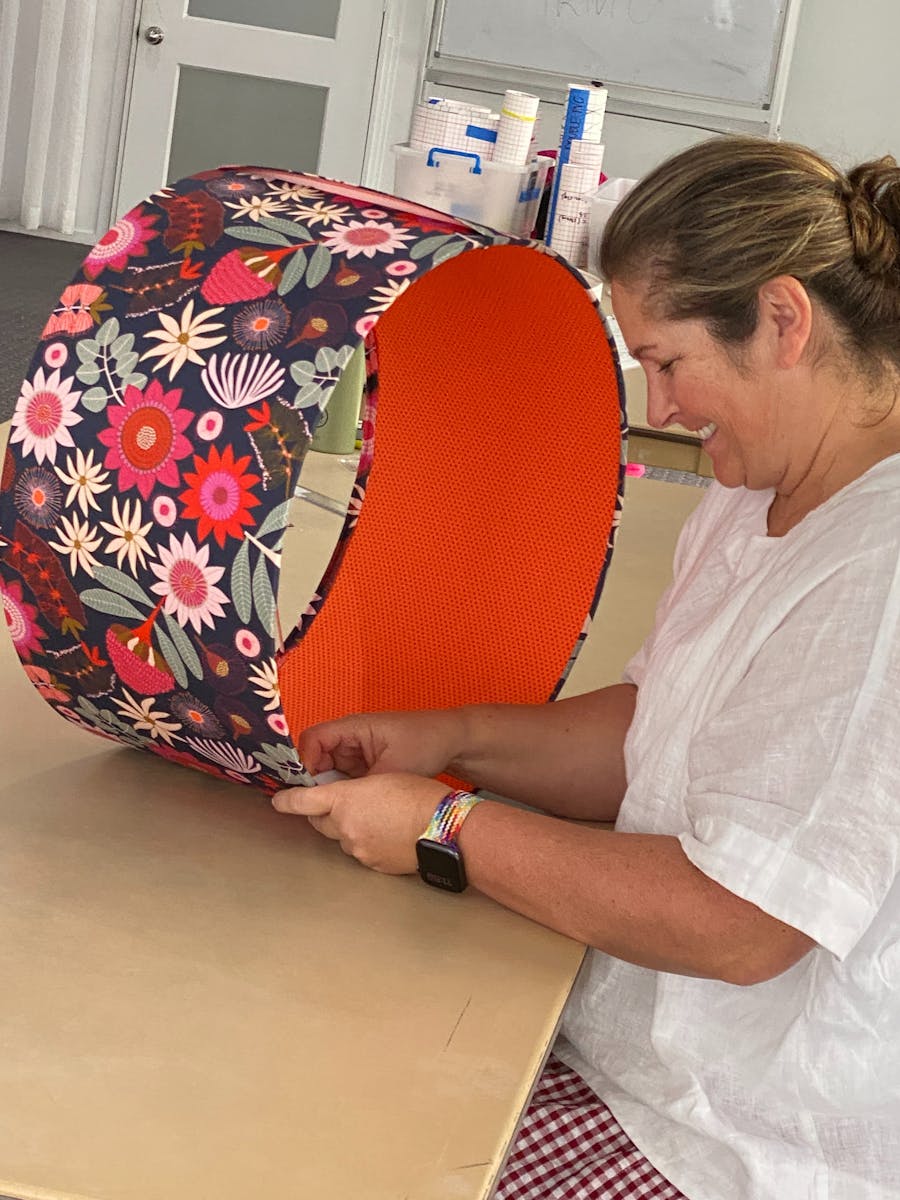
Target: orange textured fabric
490	500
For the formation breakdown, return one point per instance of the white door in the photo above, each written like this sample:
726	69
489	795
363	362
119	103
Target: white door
280	83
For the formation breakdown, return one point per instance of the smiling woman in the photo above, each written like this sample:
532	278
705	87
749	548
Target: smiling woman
760	289
739	1016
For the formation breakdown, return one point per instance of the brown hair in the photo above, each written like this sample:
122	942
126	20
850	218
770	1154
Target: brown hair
708	227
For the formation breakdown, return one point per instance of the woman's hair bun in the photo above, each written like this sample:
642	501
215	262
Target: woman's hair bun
873	208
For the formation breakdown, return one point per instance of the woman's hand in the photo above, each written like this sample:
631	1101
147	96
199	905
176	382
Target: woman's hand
376	820
423	743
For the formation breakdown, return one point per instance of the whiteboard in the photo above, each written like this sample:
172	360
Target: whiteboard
721	50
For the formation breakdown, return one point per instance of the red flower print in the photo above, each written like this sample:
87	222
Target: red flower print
218	497
21	620
195	221
126	240
145	438
245	274
184	759
139	666
8	471
79	308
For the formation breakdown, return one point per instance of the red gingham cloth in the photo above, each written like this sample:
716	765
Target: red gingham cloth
571	1147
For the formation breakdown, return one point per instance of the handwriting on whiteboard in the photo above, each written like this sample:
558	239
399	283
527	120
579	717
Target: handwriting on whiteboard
638	12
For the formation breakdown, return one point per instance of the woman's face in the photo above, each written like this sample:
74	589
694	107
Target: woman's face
691	381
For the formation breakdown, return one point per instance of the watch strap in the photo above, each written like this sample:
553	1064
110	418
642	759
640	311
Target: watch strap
448	817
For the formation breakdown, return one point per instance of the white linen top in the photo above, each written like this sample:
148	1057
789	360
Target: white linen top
767	739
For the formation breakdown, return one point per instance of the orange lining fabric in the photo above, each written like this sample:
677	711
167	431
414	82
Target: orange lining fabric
484	530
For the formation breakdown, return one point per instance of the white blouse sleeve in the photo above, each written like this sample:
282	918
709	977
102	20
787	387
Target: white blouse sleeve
794	784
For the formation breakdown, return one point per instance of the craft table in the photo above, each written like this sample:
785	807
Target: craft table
204	1000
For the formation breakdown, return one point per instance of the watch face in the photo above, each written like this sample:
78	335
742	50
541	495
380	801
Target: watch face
441	865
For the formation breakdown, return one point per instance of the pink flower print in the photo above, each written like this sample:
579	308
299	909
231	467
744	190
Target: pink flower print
44	414
21	620
165	511
56	355
146	438
43	681
127	239
248	643
77	310
367	237
278	723
209	425
401	266
187	583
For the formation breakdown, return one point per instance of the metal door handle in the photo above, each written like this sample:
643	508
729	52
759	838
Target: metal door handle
154	34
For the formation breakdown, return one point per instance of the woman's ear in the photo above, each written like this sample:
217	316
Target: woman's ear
786	317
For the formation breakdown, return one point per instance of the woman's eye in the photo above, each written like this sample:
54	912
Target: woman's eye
666	367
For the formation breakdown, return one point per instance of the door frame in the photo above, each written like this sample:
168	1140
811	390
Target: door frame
399	72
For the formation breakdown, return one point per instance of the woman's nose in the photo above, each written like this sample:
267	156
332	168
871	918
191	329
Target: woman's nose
661	410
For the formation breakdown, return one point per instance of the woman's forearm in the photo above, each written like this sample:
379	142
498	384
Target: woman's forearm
566	757
635	896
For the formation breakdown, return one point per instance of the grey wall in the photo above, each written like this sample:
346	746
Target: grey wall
843	95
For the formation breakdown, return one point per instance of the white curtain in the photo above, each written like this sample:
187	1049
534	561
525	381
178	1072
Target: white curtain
60	79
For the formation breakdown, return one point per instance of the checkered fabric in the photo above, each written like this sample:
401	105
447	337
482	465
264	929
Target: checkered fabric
571	1147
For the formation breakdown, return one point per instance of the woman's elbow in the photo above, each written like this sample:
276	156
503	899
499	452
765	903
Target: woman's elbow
766	957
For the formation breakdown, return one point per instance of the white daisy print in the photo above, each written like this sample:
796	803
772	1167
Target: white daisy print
230	757
79	541
86	479
129	534
44	415
264	679
180	341
320	213
187	582
255	207
284	190
145	718
385	294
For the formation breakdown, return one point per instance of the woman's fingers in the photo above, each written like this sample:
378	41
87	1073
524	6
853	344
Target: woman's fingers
303	801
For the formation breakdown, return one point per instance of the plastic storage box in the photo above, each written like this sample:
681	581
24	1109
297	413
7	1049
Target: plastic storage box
498	195
603	201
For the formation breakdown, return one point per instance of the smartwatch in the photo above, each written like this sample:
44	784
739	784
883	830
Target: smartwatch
438	855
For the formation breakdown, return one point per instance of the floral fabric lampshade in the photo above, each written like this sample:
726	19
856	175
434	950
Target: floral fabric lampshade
161	432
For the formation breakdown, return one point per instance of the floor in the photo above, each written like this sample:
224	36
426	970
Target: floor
33	273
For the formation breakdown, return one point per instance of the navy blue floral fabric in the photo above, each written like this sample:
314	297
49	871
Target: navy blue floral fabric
158	440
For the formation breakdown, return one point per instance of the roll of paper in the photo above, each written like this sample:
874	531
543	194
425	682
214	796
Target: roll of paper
417	125
481	133
587	154
516	128
439	125
569	235
453	125
583	121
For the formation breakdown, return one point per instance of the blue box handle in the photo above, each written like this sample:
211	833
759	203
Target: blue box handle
476	170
